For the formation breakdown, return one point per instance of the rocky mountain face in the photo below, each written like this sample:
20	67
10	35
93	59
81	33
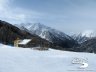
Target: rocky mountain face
56	37
88	46
80	38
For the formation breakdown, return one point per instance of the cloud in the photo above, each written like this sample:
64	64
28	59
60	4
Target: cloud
3	4
68	16
16	14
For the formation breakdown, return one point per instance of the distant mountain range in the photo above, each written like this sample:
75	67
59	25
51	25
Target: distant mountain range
55	38
86	44
80	38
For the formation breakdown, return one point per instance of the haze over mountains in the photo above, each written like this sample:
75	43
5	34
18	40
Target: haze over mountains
55	38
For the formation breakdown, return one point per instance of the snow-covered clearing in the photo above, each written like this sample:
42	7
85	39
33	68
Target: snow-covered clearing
28	60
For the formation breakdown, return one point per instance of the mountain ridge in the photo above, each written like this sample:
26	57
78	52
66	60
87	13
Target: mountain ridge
50	34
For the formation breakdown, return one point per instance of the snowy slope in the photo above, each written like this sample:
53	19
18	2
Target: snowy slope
27	60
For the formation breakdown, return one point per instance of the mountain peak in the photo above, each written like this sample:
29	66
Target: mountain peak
36	26
50	34
89	33
39	26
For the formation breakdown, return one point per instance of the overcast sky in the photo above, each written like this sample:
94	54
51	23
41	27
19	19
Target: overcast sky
69	16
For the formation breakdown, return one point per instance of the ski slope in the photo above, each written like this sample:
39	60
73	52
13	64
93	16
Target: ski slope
28	60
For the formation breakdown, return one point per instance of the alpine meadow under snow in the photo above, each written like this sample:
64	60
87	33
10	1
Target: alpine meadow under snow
27	60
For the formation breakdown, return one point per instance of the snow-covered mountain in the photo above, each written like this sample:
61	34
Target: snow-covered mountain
84	36
87	42
80	38
52	35
88	46
42	30
10	33
89	33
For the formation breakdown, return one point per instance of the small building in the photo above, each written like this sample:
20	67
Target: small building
34	43
23	43
16	42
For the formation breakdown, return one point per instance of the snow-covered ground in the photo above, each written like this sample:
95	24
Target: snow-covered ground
28	60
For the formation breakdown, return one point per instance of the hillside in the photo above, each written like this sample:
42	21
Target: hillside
9	33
